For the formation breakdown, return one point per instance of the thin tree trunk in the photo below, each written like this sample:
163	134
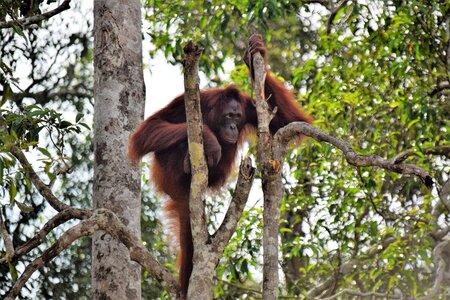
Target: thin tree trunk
271	183
119	105
201	281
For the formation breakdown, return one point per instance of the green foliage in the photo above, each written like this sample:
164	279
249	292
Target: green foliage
240	260
371	73
25	130
45	90
173	23
374	87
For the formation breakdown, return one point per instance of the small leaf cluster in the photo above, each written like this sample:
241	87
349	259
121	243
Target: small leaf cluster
28	130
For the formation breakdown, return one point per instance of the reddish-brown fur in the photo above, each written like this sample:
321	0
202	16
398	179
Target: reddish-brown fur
165	134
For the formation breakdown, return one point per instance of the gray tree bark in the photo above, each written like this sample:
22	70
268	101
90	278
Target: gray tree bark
119	106
201	281
271	183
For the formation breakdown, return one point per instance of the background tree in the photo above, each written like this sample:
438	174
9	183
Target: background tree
64	155
119	105
44	68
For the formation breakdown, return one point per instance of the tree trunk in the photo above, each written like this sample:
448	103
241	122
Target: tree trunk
119	106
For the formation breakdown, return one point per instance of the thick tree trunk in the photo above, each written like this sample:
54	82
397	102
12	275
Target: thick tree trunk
119	106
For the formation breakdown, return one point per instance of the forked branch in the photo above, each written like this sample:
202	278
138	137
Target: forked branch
293	130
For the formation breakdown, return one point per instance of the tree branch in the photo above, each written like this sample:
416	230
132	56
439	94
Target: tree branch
201	280
234	212
6	240
444	196
199	169
106	220
333	12
441	86
38	18
441	257
324	3
364	295
110	223
438	150
291	131
58	219
271	182
85	228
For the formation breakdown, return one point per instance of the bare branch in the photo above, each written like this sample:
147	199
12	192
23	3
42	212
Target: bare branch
441	86
324	3
38	18
234	212
444	196
361	294
333	12
201	279
271	182
289	132
439	150
58	219
442	249
85	228
439	234
243	288
6	240
42	188
106	220
348	268
262	107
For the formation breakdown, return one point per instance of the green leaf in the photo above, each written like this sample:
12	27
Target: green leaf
19	31
394	104
79	117
339	13
64	124
375	273
85	125
37	112
410	124
6	93
45	152
393	281
23	207
13	272
12	192
244	266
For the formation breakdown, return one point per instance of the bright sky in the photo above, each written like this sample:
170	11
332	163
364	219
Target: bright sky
163	82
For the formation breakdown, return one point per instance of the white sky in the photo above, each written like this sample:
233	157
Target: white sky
163	82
